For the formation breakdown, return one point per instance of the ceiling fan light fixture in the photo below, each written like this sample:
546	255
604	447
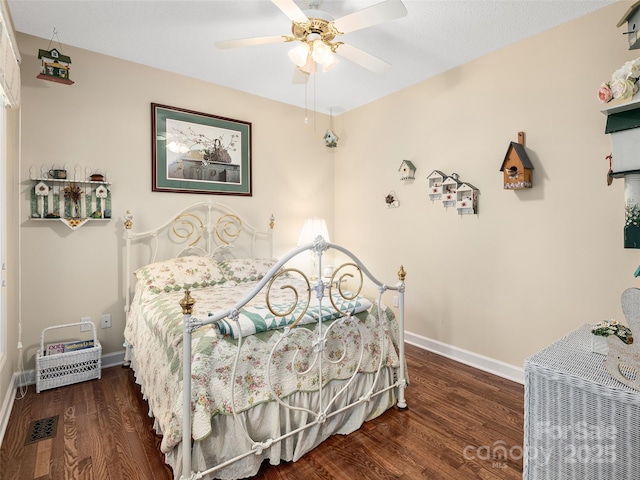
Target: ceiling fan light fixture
321	51
330	62
310	66
299	54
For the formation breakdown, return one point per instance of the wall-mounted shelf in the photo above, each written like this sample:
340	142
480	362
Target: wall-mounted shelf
72	202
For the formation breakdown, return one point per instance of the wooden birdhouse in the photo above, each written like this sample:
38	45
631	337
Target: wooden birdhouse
55	66
632	19
467	199
407	170
622	123
435	180
450	190
516	167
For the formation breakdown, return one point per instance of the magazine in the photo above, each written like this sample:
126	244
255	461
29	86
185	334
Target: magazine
66	347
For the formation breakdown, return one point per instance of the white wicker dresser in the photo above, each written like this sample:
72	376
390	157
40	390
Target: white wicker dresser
579	422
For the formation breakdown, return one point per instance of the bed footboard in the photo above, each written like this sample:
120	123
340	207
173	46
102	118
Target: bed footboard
310	350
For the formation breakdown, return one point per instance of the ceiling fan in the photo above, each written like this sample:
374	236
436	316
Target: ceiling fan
316	32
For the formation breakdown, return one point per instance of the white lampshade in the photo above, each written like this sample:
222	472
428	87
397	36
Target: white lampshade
330	62
311	229
321	51
299	54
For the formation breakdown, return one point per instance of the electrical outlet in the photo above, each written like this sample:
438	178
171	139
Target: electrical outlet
85	327
396	301
105	320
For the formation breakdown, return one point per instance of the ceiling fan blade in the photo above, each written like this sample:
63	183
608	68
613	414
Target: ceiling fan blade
291	10
362	58
249	42
370	16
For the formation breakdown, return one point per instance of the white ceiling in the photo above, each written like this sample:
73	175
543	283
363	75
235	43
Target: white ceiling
179	36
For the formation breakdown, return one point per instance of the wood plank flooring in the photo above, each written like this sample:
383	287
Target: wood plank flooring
458	417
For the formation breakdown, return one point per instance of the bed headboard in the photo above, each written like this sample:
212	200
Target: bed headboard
204	228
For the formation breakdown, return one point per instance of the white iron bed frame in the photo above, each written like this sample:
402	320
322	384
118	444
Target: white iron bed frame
220	229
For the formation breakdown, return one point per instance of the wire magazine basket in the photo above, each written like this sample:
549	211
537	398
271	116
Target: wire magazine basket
60	369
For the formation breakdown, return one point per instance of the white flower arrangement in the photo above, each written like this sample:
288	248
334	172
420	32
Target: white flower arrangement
623	83
612	327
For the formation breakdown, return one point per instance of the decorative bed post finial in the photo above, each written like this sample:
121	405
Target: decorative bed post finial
128	220
187	303
401	273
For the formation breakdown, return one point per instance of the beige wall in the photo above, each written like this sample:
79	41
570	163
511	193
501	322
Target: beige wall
104	121
530	267
533	264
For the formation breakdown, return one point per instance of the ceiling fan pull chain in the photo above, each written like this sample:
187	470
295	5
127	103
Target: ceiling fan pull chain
306	95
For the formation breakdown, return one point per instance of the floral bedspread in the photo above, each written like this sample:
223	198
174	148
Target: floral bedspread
269	362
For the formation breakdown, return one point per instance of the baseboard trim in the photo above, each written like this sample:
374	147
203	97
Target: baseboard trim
7	406
481	362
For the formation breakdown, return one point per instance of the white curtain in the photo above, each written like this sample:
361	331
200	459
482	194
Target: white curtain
9	60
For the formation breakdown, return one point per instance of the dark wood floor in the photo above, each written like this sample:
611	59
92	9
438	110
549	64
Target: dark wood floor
458	418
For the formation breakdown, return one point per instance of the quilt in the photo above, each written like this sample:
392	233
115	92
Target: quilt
270	363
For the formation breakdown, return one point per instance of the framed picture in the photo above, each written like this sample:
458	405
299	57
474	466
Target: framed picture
195	152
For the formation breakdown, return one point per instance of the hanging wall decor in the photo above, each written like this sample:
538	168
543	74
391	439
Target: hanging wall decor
453	192
330	138
407	170
435	180
391	200
55	65
467	199
72	197
450	190
517	167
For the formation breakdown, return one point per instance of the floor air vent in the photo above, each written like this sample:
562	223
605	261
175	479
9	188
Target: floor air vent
42	429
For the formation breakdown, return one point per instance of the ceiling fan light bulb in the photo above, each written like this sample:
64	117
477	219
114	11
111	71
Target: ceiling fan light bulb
299	54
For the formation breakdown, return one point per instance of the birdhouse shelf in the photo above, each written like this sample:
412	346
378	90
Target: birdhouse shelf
450	190
467	199
517	169
435	180
55	66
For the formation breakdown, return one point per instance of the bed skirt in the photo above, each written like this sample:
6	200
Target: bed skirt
270	420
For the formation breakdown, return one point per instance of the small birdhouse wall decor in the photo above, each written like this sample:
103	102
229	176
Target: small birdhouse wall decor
467	199
517	167
450	190
632	19
407	170
435	180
